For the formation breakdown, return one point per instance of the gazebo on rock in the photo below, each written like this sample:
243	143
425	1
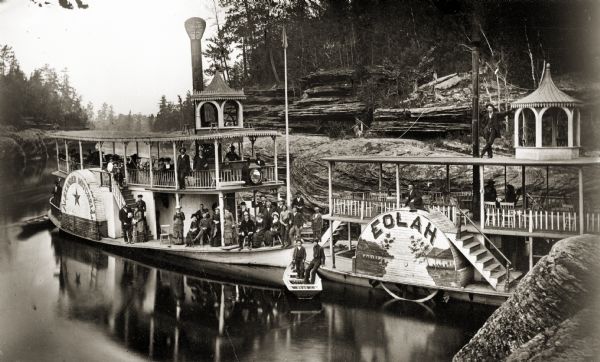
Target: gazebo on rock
547	123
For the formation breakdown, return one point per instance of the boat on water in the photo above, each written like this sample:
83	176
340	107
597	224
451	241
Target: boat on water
299	287
220	174
473	244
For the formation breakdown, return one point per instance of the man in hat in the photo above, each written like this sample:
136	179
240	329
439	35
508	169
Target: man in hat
317	261
414	201
317	224
298	259
183	167
259	161
493	127
126	218
231	155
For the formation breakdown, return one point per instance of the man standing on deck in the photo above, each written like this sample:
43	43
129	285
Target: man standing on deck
415	200
126	218
318	260
183	167
296	223
317	224
298	259
492	129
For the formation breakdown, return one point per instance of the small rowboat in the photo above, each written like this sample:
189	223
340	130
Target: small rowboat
297	286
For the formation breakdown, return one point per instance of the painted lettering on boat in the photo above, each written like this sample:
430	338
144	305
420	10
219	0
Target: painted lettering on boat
407	247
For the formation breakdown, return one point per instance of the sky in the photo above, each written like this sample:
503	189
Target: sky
123	52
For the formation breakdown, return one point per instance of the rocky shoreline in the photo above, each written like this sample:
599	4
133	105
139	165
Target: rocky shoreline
551	315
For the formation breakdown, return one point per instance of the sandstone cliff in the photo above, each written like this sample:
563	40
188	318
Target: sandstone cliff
552	313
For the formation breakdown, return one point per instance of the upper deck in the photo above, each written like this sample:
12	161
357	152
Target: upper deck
142	154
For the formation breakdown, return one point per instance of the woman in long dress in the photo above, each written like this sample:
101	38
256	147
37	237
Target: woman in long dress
140	226
178	226
228	227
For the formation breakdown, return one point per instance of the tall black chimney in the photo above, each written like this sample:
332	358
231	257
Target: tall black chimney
195	29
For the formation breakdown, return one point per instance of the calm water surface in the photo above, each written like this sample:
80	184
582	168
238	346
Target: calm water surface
62	299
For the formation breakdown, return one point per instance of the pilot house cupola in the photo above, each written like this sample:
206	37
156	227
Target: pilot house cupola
547	123
218	106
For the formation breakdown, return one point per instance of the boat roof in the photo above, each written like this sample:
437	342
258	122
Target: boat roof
496	161
130	136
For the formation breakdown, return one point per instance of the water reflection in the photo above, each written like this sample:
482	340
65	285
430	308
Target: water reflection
167	315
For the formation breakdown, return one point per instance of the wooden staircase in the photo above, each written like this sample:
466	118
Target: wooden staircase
128	196
482	259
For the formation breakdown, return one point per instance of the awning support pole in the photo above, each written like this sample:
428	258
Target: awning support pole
581	218
80	156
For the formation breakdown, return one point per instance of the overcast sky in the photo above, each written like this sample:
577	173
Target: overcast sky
124	52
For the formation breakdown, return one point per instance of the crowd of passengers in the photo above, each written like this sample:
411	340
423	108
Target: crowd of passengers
270	224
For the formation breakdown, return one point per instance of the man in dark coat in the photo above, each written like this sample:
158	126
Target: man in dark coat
296	223
247	229
317	224
298	259
183	167
259	161
493	127
317	261
200	162
57	192
126	218
415	200
231	155
298	203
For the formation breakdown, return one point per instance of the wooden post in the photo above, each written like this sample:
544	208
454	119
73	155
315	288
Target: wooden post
380	176
481	200
175	168
397	186
222	218
67	156
217	172
448	179
100	153
523	191
57	155
125	162
114	149
157	149
530	253
505	181
330	166
80	156
137	149
581	218
275	161
349	237
151	170
241	148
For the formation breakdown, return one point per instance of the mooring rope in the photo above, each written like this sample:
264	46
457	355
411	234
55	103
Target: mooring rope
422	300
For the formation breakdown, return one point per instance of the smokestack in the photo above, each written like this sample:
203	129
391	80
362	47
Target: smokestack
195	29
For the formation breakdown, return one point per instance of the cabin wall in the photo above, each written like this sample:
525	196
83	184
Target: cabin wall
111	211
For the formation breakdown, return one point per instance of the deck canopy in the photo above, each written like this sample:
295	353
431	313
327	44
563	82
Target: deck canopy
496	161
547	123
129	136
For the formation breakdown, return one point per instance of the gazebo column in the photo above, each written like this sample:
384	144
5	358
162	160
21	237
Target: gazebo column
516	127
330	166
570	128
578	134
80	156
538	128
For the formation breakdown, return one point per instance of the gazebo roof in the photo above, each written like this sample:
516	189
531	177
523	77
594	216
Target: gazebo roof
546	95
218	90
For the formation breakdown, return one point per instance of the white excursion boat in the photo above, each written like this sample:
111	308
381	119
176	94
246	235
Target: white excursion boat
298	287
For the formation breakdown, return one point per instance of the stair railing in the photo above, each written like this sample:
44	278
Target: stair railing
470	221
116	191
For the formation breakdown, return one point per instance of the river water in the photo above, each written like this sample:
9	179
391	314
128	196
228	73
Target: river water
63	299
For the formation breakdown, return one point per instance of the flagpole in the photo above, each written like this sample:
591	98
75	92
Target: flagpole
287	127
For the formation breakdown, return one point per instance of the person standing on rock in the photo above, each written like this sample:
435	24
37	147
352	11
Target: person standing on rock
492	130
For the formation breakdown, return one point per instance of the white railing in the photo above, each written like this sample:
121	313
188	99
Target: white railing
531	220
138	177
164	178
201	179
361	208
229	175
116	191
592	222
269	173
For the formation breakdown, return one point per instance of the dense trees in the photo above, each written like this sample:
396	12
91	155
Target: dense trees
45	97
